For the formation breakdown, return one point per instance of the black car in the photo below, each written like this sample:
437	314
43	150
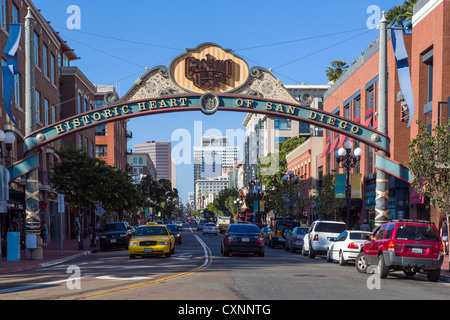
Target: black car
175	230
115	234
243	238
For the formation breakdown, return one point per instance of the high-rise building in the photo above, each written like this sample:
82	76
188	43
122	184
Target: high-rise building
161	155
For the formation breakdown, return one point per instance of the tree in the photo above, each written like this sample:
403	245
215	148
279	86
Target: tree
324	199
401	14
429	162
337	69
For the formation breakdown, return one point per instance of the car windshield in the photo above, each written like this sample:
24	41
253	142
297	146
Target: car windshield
417	233
330	227
244	228
281	224
114	227
172	227
151	231
301	230
358	235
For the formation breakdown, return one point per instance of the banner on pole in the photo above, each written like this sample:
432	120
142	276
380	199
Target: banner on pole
355	181
339	185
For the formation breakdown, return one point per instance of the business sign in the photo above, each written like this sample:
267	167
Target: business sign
208	68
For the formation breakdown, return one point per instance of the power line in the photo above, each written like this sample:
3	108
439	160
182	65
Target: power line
301	39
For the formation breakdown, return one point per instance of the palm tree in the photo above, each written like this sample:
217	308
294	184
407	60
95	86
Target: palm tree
336	70
401	14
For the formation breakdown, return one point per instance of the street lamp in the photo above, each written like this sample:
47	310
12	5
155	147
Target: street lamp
291	179
346	158
258	192
8	138
238	204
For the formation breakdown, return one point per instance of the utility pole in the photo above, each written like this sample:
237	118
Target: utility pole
382	181
32	220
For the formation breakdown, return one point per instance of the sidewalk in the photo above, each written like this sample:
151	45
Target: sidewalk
52	255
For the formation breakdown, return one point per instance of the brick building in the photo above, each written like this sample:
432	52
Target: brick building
355	96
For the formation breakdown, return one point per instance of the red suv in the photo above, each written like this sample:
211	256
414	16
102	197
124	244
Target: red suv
407	245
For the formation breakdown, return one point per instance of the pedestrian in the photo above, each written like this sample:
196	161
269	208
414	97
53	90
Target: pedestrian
44	233
365	226
444	236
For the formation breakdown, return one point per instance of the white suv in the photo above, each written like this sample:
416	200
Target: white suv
319	237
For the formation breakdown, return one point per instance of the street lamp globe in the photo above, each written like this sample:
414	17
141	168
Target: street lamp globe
357	152
348	145
341	152
2	135
9	138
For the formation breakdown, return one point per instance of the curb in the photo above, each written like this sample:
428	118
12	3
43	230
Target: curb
47	264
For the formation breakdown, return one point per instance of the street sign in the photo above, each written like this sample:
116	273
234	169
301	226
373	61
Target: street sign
61	203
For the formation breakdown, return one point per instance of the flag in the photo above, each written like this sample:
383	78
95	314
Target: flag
355	180
404	77
10	69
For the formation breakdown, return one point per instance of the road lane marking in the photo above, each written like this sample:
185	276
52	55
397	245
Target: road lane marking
206	255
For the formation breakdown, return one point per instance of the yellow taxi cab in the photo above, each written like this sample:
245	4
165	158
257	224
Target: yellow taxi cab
151	239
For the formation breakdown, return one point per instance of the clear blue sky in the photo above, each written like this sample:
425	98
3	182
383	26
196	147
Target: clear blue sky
297	39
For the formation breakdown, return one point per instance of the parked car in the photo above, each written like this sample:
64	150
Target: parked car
408	246
152	239
319	237
294	239
175	231
279	230
210	228
115	234
243	238
347	246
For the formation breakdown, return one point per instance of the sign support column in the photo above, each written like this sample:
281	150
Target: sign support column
32	223
382	181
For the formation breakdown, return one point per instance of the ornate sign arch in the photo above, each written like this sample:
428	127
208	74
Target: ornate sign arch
208	79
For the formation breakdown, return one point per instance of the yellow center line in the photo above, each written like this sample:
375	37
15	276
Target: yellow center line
207	262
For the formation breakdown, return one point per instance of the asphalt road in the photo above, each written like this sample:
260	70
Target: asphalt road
197	272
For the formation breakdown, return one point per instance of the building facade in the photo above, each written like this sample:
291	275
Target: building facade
355	96
161	155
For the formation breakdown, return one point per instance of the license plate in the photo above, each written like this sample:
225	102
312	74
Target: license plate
416	250
245	239
147	249
113	240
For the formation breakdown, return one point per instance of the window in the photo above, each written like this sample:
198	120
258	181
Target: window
36	50
282	124
80	103
17	89
38	106
427	59
357	108
101	130
45	59
53	115
3	14
52	69
101	150
15	14
80	141
46	112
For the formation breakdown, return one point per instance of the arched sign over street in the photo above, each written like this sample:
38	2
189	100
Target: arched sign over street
208	79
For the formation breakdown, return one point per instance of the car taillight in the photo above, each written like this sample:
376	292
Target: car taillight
204	228
391	246
299	239
260	239
442	248
316	237
352	245
231	239
215	228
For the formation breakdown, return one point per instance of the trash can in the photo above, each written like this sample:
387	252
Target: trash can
13	246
